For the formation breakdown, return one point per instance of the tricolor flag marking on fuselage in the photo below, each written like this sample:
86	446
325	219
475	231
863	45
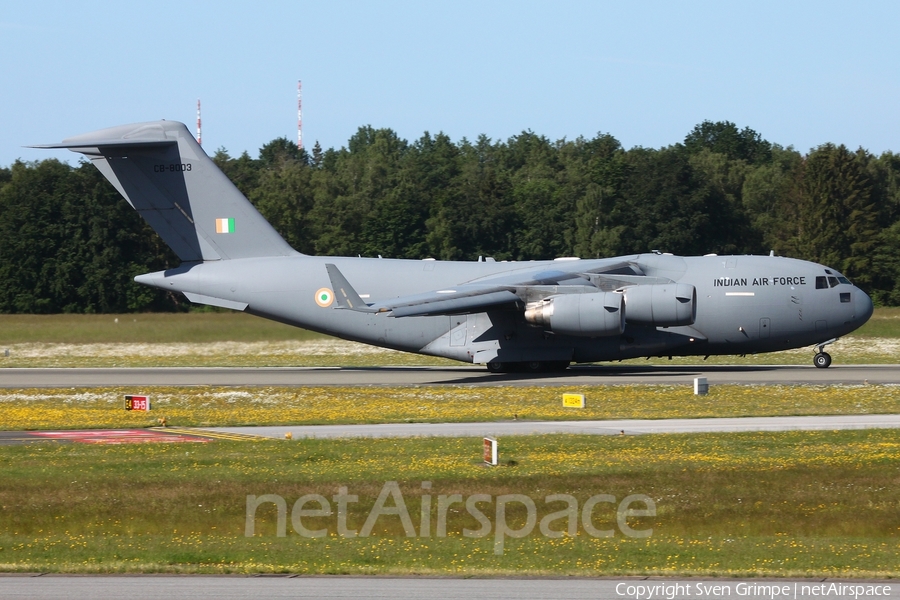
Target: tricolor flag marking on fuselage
224	225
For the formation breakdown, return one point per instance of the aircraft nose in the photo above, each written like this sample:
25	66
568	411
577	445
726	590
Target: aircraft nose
862	307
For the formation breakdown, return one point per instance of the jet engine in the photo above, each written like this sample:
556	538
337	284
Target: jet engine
591	315
662	305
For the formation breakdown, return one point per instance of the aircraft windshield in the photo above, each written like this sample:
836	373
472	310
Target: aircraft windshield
831	280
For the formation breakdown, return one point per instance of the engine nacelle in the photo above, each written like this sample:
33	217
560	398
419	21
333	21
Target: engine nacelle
662	305
591	315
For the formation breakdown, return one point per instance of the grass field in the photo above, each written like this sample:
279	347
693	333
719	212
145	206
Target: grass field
236	406
790	503
237	339
885	323
782	504
146	328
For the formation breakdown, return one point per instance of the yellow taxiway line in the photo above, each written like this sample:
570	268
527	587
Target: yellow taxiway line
244	437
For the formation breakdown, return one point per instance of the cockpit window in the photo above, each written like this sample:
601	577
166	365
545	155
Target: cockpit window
832	280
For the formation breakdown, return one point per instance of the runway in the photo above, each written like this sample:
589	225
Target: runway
402	588
463	375
612	427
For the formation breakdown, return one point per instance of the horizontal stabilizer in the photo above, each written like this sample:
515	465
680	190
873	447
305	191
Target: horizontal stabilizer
147	135
80	145
211	301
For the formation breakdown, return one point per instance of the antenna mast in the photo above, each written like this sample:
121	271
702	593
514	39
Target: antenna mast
199	135
299	115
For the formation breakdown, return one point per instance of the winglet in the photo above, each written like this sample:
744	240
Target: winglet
344	294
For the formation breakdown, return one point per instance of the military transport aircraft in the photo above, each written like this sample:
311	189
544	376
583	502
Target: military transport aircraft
532	316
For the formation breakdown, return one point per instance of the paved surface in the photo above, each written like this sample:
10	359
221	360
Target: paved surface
466	375
100	436
196	587
618	427
118	436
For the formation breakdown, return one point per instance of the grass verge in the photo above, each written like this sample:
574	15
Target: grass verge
145	328
767	503
235	406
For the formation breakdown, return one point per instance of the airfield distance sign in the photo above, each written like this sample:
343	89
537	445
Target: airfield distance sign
573	400
490	452
135	402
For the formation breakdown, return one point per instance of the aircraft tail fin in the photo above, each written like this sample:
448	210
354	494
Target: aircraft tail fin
181	193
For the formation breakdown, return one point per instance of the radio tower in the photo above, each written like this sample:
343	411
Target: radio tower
199	135
299	115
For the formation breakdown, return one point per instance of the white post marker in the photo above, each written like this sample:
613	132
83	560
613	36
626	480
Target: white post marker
491	454
701	387
573	400
135	402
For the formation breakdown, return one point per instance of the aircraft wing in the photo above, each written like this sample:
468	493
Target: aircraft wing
519	289
479	296
461	299
449	302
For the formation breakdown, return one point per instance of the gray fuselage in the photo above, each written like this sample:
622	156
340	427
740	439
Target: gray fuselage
744	304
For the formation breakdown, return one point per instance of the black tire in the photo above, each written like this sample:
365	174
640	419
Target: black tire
822	360
496	367
534	366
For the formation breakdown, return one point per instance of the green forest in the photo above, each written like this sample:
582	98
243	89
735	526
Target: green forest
70	243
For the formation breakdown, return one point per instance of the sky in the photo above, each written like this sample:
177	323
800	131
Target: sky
799	73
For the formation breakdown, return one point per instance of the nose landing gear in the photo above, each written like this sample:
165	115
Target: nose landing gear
822	359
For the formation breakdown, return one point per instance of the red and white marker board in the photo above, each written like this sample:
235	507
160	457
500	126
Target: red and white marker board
134	402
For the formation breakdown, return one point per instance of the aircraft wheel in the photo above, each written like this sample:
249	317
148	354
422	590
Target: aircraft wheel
822	360
496	366
534	366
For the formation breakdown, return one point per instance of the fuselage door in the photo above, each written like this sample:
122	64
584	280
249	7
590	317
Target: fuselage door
458	330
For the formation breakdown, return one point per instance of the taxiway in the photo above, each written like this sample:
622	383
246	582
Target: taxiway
609	427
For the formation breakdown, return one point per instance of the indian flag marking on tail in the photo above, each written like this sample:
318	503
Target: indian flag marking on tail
224	225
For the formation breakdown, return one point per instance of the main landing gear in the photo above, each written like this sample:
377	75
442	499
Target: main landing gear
532	366
822	359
